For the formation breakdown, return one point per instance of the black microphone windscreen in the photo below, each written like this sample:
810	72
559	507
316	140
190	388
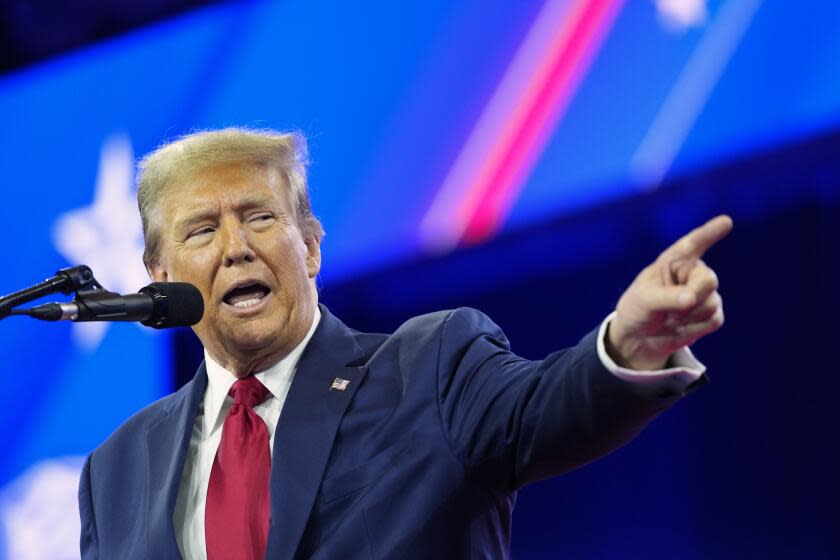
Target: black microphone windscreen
182	304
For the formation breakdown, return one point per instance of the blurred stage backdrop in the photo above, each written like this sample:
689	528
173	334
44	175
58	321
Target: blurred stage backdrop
527	158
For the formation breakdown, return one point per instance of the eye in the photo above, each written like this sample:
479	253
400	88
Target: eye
201	231
261	218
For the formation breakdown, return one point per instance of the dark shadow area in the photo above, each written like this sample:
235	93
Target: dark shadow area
35	30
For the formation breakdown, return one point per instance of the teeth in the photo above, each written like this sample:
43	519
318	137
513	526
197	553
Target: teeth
247	303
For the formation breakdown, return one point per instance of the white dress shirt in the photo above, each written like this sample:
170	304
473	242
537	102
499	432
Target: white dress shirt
207	434
207	431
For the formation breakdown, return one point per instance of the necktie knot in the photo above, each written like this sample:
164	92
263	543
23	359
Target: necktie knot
248	391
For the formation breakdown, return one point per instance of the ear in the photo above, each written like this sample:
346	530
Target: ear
313	257
157	272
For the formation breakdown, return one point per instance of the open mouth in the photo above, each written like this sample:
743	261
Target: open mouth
249	295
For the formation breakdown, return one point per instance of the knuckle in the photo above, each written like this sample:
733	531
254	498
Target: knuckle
706	277
707	286
708	312
713	278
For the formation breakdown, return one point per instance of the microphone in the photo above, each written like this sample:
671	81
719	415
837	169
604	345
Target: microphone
159	305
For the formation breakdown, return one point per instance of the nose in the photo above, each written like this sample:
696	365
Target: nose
236	246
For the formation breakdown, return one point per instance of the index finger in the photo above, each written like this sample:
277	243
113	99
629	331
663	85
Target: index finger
696	242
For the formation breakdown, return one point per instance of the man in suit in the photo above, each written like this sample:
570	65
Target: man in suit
302	438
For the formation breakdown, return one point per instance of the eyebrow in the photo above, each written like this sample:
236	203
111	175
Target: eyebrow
194	218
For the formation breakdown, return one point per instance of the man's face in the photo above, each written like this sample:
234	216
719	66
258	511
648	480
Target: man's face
230	230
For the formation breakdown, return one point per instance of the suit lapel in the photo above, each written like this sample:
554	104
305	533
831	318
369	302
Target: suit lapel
307	427
168	440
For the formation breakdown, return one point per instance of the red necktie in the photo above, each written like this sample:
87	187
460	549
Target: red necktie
236	517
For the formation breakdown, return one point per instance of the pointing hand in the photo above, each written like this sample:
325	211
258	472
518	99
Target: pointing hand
671	303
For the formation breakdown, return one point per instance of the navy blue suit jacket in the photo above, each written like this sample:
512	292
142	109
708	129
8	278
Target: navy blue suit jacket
420	456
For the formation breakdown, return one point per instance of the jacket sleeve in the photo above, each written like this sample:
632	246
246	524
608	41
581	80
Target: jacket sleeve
511	421
89	540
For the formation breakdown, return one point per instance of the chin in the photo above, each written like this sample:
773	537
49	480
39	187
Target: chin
255	337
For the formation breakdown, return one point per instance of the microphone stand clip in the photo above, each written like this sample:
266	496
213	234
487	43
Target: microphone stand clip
77	279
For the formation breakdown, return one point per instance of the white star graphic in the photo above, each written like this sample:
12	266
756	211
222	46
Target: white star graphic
107	235
38	511
680	15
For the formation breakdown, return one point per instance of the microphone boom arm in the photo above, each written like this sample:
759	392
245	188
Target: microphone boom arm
74	279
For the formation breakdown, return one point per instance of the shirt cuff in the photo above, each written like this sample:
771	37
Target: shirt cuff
684	367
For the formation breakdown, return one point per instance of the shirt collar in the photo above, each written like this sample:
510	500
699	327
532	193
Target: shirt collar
277	378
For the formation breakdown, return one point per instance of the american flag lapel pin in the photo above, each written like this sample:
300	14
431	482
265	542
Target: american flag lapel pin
340	384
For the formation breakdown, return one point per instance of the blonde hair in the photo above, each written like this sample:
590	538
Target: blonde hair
175	161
